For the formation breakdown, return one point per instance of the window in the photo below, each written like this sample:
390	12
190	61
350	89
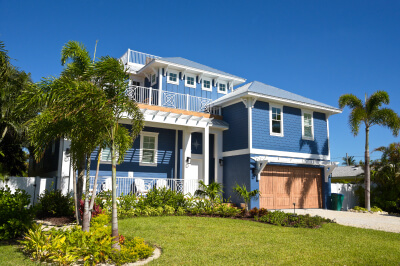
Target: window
173	77
148	148
135	83
307	125
222	88
190	81
105	156
153	79
206	85
276	118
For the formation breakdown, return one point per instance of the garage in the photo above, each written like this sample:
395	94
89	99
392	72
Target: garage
281	186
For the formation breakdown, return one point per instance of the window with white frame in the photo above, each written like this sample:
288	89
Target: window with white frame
222	87
307	125
173	77
206	85
105	156
153	79
148	148
276	120
190	81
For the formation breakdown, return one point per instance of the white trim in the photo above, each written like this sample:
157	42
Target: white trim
149	134
235	152
159	86
270	120
151	79
206	155
226	87
250	126
290	154
202	84
194	80
302	124
327	129
177	77
176	155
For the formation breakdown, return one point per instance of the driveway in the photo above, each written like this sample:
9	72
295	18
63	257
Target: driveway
374	221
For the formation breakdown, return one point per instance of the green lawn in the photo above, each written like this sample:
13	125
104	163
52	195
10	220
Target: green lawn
218	241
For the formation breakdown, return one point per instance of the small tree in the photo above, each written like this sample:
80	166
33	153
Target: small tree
212	191
247	196
369	113
350	160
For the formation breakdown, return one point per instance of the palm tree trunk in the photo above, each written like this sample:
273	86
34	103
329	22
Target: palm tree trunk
3	134
367	173
95	182
86	213
114	220
79	189
75	195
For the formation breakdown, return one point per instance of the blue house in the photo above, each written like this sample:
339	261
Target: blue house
205	124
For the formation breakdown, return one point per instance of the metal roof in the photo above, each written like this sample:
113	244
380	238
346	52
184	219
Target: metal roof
188	63
267	90
348	171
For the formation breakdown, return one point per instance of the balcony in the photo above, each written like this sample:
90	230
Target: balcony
174	100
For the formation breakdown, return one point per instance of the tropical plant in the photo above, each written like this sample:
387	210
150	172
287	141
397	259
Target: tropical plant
213	192
349	160
247	196
53	203
369	113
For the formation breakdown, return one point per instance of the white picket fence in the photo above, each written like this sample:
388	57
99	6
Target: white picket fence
348	190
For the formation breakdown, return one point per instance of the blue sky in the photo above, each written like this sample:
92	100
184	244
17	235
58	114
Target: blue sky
318	49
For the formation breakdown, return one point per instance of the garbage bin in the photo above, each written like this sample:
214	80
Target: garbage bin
337	201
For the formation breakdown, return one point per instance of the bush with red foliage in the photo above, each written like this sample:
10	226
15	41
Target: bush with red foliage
96	209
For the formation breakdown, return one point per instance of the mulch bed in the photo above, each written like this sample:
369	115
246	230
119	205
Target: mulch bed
57	221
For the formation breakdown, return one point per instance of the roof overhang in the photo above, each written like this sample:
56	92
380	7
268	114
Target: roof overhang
262	161
157	63
237	97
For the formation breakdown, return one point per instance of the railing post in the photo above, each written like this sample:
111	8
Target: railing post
187	102
151	95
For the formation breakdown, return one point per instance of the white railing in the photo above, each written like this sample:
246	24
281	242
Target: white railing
136	57
127	185
172	100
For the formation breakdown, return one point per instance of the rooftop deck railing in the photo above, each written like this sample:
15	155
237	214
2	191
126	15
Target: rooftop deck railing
136	57
169	99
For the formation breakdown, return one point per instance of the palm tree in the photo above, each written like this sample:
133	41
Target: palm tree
369	113
349	160
213	191
247	196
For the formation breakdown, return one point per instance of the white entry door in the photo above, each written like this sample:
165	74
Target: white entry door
195	173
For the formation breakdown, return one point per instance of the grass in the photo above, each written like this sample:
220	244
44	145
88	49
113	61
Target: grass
206	241
218	241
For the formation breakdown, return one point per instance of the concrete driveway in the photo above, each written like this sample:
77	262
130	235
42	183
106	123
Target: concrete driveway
374	221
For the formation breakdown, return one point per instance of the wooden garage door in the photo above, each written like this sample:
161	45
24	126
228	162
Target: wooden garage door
281	186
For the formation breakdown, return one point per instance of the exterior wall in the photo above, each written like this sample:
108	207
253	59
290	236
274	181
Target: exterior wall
292	140
198	91
48	165
165	158
236	170
236	137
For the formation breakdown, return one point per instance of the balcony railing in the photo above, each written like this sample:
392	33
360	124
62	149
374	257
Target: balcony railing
169	99
136	57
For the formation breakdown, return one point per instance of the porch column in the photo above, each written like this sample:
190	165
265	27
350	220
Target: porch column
218	173
206	154
187	152
159	86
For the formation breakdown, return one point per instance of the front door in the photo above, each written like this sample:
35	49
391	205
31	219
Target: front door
195	173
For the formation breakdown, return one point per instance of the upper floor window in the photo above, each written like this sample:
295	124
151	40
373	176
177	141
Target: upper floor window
105	156
222	88
276	120
190	81
148	149
307	125
206	85
173	77
135	83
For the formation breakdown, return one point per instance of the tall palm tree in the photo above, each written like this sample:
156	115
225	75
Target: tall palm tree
369	113
349	160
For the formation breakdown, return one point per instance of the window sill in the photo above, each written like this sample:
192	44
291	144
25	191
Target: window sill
173	82
276	134
308	138
148	164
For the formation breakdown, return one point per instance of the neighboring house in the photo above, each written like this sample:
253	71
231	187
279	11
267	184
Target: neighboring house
350	173
198	127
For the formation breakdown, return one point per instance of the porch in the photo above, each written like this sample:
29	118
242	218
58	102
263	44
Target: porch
156	97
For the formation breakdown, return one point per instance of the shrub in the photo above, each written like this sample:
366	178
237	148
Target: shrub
69	246
15	216
290	220
225	210
52	203
96	209
247	196
159	197
168	210
180	211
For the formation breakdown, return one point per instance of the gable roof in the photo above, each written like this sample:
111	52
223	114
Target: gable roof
348	171
189	63
263	90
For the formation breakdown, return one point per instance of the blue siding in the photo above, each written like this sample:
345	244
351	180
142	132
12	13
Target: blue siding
165	159
236	137
236	170
292	140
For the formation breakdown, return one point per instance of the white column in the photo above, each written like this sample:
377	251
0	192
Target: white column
206	154
218	170
187	152
250	123
159	85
